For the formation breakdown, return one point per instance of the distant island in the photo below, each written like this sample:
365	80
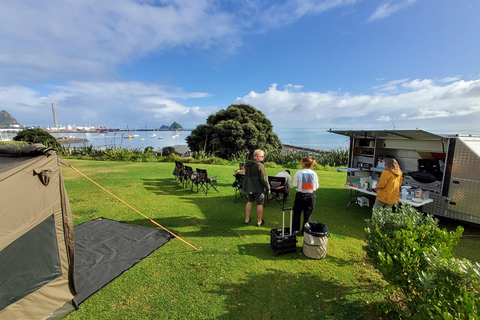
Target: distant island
173	127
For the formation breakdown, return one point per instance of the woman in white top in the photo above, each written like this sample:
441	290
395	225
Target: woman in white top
306	182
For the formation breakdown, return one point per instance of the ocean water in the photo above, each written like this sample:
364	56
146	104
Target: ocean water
318	139
308	138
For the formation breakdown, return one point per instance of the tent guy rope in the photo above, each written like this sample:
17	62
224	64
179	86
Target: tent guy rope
143	215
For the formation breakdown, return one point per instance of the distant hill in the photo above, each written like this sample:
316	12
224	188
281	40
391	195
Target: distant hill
7	121
174	126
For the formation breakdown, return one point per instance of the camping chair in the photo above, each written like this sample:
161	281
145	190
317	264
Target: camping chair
238	184
188	177
178	171
278	190
202	180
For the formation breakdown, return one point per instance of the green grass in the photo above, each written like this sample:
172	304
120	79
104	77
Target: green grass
235	275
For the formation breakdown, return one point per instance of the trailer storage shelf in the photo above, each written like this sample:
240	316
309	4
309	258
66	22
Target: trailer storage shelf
445	165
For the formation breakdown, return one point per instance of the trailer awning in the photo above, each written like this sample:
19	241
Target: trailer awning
389	134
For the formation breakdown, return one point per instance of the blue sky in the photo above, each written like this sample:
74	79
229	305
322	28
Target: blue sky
341	64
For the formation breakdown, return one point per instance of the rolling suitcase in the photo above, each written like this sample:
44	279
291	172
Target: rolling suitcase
281	239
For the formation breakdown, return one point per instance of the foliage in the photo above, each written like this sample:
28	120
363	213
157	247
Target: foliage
13	143
239	128
334	158
148	149
38	135
110	154
272	160
292	160
415	257
168	151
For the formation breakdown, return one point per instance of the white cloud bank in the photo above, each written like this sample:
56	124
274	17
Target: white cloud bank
425	104
89	37
111	104
439	106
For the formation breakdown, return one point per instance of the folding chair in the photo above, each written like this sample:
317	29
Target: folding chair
238	184
178	171
188	177
202	180
278	190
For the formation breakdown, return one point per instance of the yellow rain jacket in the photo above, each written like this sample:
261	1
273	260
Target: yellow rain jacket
389	186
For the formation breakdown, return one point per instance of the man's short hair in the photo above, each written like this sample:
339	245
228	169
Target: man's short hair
258	152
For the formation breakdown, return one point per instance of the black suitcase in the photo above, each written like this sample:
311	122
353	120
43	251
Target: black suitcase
281	239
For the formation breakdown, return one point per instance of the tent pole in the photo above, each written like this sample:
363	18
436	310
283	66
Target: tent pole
146	217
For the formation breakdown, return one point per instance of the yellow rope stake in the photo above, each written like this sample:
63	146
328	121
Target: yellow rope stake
154	222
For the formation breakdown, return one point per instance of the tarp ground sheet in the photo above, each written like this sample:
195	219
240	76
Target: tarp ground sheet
104	249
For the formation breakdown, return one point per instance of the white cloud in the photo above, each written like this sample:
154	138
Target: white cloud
387	9
88	39
284	13
418	103
426	104
91	37
105	103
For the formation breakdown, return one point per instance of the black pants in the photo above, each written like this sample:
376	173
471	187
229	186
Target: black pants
303	202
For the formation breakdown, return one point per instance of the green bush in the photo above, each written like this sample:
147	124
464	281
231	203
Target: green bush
168	151
13	143
415	258
38	136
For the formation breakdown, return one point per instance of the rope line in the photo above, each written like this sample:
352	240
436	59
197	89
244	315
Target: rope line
146	217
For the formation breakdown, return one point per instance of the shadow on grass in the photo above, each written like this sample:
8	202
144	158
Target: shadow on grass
224	217
221	216
304	296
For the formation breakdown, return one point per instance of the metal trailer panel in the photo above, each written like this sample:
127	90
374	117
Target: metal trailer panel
464	186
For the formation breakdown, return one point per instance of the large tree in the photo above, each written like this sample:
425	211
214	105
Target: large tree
239	128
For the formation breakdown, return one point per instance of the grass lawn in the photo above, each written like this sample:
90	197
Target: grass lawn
235	275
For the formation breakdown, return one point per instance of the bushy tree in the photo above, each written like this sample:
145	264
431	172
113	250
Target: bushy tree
240	128
168	151
38	135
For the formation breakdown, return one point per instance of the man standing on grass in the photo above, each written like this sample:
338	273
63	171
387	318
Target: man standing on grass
255	186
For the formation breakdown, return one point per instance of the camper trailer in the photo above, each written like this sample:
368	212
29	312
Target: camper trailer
447	167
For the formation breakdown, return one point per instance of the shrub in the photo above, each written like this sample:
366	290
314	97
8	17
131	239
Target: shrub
415	258
168	151
38	136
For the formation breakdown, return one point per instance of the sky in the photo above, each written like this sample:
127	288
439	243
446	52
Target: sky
340	64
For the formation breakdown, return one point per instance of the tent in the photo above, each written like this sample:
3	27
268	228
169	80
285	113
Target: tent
39	277
36	234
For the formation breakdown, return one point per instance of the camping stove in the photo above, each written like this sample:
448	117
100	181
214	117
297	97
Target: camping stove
435	186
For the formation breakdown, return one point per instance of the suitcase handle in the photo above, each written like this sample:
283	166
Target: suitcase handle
283	221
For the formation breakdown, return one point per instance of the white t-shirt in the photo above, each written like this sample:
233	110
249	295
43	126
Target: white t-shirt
305	180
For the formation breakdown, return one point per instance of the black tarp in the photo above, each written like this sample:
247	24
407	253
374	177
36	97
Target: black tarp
104	249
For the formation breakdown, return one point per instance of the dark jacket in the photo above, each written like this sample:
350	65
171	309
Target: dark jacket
256	179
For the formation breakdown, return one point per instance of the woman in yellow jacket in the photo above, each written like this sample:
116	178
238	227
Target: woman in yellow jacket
388	188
